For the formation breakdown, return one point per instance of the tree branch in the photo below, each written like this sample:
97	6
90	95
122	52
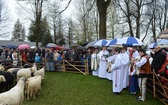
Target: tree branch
65	7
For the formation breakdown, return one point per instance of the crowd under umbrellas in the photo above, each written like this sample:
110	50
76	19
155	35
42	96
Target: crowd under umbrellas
113	65
123	64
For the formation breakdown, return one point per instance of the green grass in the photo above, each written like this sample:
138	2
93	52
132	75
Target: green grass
77	89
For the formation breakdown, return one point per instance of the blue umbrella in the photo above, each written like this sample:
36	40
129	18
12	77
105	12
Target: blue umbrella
130	41
90	44
11	46
152	45
113	42
50	45
163	41
101	42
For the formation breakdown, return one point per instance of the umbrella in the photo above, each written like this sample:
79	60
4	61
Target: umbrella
152	45
101	42
163	41
130	41
80	48
113	42
11	46
33	47
90	44
49	45
85	43
74	45
62	48
23	46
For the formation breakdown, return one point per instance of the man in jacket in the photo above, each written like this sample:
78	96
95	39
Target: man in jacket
158	60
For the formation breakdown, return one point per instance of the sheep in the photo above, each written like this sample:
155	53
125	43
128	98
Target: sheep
27	83
14	71
33	69
2	78
25	72
33	87
2	67
40	72
9	77
11	70
15	95
4	104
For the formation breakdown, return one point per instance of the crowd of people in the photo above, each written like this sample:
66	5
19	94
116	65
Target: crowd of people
126	67
47	57
129	67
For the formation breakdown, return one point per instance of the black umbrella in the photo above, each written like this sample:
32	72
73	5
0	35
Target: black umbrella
11	46
84	44
80	48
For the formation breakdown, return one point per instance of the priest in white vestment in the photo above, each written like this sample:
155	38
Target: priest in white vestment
125	64
117	73
111	60
95	63
103	62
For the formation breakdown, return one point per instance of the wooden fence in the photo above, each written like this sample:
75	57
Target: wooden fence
158	88
73	66
63	65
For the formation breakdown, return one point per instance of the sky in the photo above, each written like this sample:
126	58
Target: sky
15	13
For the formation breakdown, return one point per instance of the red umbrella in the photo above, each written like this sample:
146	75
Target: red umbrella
23	46
62	48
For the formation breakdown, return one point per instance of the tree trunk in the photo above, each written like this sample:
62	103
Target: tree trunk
38	11
102	25
55	34
102	8
154	22
138	27
37	30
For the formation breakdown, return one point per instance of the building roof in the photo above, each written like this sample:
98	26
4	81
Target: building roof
17	43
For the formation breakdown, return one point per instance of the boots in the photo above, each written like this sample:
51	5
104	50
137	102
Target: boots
143	90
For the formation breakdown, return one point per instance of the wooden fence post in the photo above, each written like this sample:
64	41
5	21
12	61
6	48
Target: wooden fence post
87	68
154	88
63	65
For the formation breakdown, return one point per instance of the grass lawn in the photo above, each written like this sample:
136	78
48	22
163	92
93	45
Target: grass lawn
76	89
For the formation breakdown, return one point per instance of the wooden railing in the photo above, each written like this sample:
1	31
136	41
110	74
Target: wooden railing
159	89
63	65
73	66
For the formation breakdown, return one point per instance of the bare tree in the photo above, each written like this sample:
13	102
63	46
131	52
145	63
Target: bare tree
70	31
38	9
4	11
111	21
133	14
85	17
54	13
157	14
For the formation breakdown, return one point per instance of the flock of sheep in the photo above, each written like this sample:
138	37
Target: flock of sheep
16	82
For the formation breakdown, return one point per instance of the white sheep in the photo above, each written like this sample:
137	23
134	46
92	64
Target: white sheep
34	87
34	68
2	67
11	70
15	95
2	78
40	72
4	104
25	72
28	79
